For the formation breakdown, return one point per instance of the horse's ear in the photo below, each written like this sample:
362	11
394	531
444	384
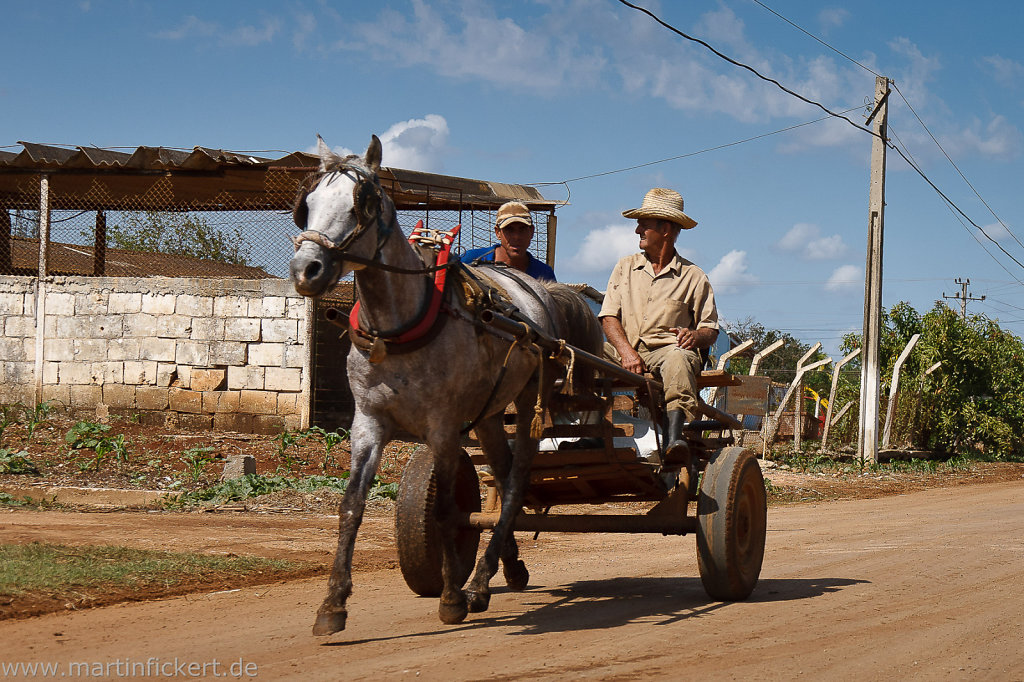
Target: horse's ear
373	154
328	159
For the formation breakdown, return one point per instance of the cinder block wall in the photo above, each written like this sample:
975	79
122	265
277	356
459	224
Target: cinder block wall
199	353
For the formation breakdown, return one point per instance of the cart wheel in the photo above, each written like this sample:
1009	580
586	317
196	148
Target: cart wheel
731	524
416	533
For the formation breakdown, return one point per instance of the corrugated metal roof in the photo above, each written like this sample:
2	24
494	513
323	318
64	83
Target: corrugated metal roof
202	175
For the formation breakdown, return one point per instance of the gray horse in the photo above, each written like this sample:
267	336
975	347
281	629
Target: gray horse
464	373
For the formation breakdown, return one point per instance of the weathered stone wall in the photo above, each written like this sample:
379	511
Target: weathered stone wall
224	354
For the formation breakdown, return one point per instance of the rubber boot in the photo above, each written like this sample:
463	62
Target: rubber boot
676	447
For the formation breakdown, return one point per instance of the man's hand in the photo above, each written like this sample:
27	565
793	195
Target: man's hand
633	362
685	338
617	337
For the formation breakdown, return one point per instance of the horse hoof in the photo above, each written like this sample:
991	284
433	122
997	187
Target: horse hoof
452	614
478	601
329	622
516	575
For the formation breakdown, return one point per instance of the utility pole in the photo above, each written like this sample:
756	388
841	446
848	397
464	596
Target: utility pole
867	445
962	296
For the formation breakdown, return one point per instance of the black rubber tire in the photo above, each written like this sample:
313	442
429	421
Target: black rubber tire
732	520
416	532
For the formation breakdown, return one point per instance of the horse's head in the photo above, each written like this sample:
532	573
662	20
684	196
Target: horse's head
341	212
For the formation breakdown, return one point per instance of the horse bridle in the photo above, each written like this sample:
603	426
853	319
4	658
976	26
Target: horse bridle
300	214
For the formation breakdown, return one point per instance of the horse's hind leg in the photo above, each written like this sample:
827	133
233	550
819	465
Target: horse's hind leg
453	607
502	540
367	440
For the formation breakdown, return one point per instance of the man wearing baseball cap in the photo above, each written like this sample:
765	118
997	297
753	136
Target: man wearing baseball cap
514	230
659	310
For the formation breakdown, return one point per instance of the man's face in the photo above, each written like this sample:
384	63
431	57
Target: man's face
515	238
653	234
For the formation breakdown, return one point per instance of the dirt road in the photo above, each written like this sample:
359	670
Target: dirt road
926	585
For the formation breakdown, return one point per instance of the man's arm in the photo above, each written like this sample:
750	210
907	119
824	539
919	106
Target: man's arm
617	337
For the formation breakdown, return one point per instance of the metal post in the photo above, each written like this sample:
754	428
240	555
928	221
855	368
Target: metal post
867	444
832	396
550	245
6	261
99	260
895	388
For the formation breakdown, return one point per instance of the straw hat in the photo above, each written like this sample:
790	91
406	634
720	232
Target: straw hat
513	212
664	204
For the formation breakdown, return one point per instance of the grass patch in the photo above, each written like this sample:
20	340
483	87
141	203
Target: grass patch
254	485
49	568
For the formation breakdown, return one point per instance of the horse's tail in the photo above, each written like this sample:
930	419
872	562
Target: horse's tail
577	324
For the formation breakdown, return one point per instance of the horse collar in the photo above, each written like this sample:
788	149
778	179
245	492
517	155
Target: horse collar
405	338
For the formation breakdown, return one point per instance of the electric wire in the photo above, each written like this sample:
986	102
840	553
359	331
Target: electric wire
808	33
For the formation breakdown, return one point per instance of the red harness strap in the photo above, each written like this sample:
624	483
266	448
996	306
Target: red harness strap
440	276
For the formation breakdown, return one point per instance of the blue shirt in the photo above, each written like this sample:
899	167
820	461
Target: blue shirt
535	268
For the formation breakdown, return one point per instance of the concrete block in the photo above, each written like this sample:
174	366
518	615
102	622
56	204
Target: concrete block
207	328
183	400
237	466
16	372
268	424
230	306
295	355
268	306
194	306
139	325
208	379
124	302
92	303
266	354
51	372
195	353
12	304
290	403
58	350
56	394
166	373
257	402
89	350
21	325
245	377
174	326
195	422
292	422
279	379
161	350
233	421
110	372
158	304
151	398
280	331
60	304
241	329
220	401
79	373
228	353
13	349
86	397
118	396
295	309
140	372
123	349
184	379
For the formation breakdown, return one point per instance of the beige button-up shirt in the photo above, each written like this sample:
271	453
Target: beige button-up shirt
648	305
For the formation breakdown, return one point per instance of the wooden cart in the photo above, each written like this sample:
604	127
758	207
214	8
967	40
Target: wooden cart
724	482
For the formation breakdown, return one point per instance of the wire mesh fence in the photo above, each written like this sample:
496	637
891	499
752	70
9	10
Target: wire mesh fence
128	226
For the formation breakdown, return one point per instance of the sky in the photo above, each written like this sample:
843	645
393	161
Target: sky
571	93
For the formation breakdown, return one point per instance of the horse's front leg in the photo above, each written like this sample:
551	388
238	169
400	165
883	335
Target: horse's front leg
453	607
502	543
368	439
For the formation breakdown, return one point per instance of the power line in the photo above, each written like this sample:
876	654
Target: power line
688	154
952	163
808	33
748	68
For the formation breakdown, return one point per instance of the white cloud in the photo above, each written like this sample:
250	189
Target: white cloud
806	239
601	248
243	35
731	275
1005	71
832	17
997	139
846	279
996	231
416	144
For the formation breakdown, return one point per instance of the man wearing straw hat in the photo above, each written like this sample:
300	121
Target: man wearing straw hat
514	230
659	310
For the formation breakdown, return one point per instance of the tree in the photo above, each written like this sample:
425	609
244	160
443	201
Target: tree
179	233
780	365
